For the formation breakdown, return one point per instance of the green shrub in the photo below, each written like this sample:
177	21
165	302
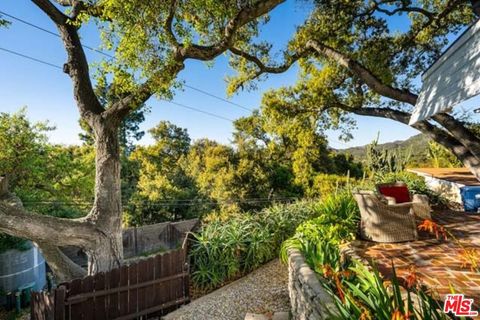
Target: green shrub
325	184
319	238
8	242
224	250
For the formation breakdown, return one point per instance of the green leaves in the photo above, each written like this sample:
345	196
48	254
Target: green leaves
224	250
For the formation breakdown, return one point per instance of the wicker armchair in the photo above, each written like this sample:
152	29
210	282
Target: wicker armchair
382	222
419	202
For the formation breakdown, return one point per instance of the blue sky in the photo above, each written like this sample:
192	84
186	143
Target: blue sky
47	91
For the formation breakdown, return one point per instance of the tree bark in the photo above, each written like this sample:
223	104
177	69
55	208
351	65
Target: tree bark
106	213
62	266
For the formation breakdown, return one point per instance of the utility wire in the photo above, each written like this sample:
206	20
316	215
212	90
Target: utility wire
112	57
194	201
217	97
51	32
172	102
162	204
198	110
31	58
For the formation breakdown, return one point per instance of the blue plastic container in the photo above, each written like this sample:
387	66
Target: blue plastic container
470	198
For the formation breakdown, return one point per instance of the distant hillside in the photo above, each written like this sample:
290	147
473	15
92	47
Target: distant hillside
417	144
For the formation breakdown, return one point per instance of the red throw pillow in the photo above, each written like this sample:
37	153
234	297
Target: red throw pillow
400	193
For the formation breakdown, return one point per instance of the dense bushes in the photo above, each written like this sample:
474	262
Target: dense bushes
224	250
319	238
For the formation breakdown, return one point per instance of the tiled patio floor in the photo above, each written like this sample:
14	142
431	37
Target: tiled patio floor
438	263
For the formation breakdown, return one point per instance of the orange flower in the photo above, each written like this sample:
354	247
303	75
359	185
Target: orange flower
411	279
397	315
365	315
433	228
338	284
327	271
470	257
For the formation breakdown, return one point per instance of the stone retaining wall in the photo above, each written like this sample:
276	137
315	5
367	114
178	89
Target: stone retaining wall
309	299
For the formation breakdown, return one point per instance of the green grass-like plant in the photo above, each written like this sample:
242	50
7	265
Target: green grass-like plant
225	250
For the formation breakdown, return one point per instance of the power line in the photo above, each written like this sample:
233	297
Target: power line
217	97
31	58
170	202
112	57
59	67
51	32
198	110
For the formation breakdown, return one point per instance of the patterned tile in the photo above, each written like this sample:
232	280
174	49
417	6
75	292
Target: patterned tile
437	262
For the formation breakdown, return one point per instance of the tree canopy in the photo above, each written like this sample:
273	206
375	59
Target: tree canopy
355	60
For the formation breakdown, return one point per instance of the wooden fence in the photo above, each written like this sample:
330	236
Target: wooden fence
143	289
144	239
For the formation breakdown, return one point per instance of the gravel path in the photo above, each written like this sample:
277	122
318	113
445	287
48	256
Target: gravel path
262	291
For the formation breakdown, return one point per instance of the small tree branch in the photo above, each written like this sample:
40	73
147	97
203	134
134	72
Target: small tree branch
404	7
169	24
363	73
290	59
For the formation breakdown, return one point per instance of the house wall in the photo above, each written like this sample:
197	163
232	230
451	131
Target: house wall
450	190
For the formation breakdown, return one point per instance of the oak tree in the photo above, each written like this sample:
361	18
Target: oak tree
355	60
151	42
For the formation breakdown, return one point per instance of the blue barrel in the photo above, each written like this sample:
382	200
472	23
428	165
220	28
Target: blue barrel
21	272
470	198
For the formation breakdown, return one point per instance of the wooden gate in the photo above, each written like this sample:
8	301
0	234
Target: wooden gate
142	289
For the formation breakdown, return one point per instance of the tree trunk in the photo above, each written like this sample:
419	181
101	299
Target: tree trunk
106	213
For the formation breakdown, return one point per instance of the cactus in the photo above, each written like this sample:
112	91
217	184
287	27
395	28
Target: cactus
382	161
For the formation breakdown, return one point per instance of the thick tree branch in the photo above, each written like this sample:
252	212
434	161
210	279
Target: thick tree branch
62	266
77	64
435	133
122	107
16	221
245	15
363	73
55	15
459	131
181	53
